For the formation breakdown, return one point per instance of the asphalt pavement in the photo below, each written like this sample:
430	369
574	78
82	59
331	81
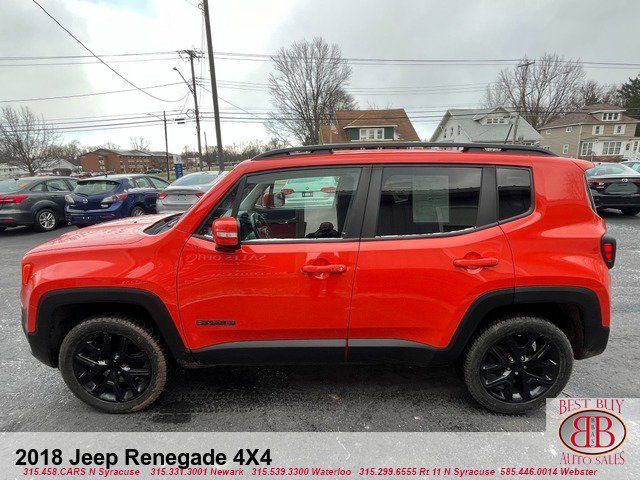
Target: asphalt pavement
33	397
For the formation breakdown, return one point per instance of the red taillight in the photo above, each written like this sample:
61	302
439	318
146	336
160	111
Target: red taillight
12	198
27	268
287	191
199	194
596	183
328	189
122	196
609	247
162	195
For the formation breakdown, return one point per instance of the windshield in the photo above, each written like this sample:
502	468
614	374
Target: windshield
95	187
11	185
197	179
610	169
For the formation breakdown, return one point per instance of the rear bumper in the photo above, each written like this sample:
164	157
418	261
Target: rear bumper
163	207
615	201
90	218
13	218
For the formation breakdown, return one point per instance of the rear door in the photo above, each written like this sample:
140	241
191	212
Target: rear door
58	188
431	246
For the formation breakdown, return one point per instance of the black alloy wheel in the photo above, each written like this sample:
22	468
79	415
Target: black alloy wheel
520	367
111	367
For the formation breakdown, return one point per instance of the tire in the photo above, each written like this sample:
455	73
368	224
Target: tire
46	220
2	229
545	364
111	385
631	211
137	211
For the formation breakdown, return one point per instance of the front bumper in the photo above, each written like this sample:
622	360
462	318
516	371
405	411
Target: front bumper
39	344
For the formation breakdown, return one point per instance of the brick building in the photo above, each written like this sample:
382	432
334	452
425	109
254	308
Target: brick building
106	160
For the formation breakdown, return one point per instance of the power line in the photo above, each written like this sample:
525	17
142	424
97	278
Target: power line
96	56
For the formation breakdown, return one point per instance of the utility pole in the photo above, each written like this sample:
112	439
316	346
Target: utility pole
214	87
192	54
522	106
166	144
206	152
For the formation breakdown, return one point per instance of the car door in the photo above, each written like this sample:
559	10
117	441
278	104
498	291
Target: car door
285	293
431	246
58	188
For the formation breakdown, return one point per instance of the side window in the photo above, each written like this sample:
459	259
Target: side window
427	200
41	187
141	182
72	182
57	186
514	192
298	204
157	183
222	209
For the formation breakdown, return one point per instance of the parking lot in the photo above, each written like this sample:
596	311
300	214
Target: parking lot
304	398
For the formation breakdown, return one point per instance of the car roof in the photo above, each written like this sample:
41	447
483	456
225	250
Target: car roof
115	177
35	179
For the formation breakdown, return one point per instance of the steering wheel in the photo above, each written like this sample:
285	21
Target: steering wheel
259	226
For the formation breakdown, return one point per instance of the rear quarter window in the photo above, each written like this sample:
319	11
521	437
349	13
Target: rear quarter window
515	195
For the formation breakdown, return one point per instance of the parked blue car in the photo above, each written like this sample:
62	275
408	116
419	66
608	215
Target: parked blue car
100	199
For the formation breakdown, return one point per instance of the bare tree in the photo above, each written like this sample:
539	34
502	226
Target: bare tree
307	87
68	151
591	92
549	88
139	143
26	140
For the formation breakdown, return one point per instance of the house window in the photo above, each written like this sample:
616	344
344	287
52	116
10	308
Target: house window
565	149
568	129
459	130
619	129
598	129
495	120
368	134
610	116
586	149
611	148
546	147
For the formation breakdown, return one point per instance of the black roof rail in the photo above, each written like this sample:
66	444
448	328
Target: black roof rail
463	147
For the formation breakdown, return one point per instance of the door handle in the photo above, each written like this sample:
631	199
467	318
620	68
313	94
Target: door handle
314	269
476	262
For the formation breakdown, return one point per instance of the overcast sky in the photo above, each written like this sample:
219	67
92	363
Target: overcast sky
593	30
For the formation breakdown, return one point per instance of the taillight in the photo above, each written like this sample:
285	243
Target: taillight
12	198
608	248
199	194
115	198
328	189
162	196
287	191
597	184
27	268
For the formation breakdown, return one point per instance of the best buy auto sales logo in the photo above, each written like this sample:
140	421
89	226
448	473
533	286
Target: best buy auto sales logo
593	431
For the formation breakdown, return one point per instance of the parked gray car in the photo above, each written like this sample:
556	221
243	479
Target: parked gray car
37	202
186	191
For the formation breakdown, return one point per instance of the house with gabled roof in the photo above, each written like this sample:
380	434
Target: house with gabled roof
601	131
485	125
391	125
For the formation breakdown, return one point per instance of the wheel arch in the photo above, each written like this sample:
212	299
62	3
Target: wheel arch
575	310
60	310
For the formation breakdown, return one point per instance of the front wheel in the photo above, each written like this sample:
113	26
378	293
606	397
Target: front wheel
113	364
46	220
630	211
516	363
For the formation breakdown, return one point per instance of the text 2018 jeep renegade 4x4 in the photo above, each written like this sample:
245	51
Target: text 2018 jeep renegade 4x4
489	256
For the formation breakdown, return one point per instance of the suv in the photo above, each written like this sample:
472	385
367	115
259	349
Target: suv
489	256
100	199
37	202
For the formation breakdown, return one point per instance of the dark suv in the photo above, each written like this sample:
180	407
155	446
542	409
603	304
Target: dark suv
34	201
100	199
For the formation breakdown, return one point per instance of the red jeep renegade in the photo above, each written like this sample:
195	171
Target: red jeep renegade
489	256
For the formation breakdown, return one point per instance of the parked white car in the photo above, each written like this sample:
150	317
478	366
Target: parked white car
182	194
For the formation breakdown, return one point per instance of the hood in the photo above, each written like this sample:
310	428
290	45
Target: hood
118	232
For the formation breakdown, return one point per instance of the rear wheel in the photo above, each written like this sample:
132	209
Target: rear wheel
46	220
113	364
137	211
630	211
516	363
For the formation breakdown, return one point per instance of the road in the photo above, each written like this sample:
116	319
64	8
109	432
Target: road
33	397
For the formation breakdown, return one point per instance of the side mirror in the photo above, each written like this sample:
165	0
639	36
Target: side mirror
226	233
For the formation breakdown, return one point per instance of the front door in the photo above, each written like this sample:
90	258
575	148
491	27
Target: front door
431	245
285	294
